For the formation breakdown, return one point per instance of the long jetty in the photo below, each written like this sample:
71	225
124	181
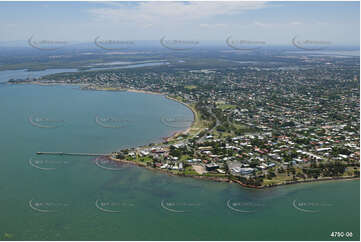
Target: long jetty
74	154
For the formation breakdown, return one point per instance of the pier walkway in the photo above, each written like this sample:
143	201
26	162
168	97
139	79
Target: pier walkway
74	154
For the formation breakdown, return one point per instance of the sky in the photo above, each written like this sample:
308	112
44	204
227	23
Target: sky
271	22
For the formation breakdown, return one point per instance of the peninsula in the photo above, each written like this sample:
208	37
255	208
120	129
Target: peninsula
271	123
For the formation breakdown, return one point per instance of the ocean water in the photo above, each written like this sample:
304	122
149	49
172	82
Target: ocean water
129	66
78	198
21	74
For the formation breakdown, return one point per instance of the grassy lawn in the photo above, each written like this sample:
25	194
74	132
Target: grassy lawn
226	106
240	126
144	159
280	178
184	157
198	124
218	134
128	157
190	87
190	171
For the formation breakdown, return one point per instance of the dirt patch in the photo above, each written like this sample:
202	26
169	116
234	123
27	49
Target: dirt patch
199	169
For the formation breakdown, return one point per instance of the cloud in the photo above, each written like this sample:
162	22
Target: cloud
170	11
296	23
209	26
276	25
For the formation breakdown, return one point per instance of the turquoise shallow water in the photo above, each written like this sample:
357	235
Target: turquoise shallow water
80	201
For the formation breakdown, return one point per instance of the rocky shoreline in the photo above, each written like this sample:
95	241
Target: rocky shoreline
226	179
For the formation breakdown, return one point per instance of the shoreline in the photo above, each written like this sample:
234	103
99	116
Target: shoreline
195	119
165	171
325	179
228	180
87	87
174	134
